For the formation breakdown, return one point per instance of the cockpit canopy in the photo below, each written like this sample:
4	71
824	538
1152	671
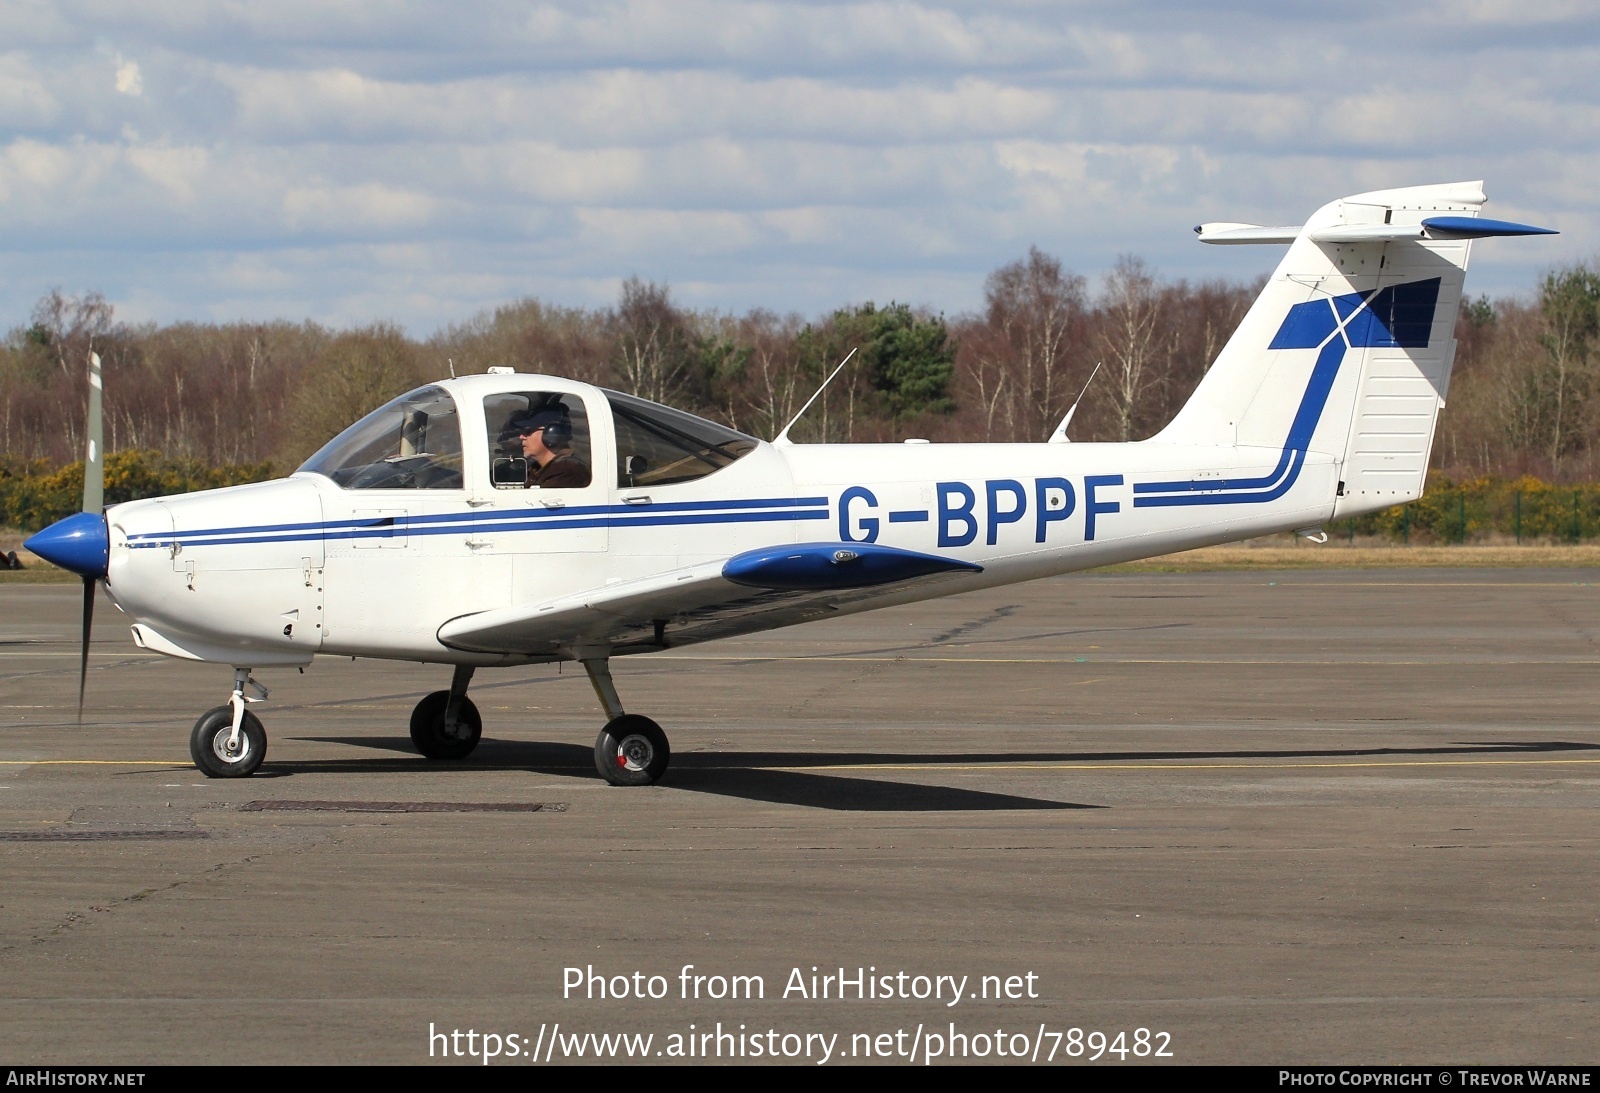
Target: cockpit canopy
412	442
416	441
657	445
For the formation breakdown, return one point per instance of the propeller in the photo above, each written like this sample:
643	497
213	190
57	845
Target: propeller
94	501
82	543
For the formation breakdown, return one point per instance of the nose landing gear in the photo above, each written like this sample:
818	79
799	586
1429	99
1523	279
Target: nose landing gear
228	741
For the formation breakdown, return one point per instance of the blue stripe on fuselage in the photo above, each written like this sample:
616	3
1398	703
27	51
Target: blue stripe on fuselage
578	516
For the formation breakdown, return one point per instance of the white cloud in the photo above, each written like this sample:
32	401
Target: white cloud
354	209
393	159
175	170
129	82
26	101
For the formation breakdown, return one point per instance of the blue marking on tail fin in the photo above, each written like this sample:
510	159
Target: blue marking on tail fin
1306	326
1346	305
1400	316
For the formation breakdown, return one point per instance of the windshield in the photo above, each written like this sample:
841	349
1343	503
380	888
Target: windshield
657	445
411	443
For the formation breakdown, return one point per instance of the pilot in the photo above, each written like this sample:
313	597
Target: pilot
547	442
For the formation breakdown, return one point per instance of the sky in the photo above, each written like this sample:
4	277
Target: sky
417	163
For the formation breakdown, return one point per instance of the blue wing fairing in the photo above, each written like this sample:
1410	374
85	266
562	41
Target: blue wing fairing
816	567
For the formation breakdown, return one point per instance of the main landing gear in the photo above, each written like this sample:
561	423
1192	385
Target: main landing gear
631	750
446	724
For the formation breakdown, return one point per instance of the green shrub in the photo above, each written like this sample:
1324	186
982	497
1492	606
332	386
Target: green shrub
1524	509
32	495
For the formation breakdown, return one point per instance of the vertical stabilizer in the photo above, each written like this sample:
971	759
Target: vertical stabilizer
1347	351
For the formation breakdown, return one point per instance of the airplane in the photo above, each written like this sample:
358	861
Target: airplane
513	519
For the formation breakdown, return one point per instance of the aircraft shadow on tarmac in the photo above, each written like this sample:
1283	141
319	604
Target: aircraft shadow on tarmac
781	778
747	775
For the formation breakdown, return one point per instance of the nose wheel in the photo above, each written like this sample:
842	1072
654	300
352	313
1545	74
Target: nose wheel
631	751
228	741
219	752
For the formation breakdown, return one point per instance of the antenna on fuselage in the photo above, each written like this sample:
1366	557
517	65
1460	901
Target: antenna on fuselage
1060	435
783	437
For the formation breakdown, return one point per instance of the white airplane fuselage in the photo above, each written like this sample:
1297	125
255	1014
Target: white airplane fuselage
278	572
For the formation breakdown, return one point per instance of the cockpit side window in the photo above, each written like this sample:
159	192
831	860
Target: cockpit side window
537	438
411	443
657	445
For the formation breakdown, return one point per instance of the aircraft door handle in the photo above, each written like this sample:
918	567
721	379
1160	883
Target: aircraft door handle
479	544
637	499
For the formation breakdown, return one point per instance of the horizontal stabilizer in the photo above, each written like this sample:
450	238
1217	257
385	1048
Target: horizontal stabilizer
1433	227
1234	234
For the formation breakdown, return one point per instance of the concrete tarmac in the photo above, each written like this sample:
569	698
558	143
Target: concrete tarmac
1268	817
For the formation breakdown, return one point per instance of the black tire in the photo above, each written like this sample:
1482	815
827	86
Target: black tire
208	744
631	751
427	727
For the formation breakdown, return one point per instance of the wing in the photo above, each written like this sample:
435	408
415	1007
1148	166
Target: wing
757	590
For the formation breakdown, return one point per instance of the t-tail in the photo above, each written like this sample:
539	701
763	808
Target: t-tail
1346	354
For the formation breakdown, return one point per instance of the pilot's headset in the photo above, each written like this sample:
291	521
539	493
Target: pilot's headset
558	433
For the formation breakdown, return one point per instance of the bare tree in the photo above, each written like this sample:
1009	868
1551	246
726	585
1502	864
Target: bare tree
1193	323
561	341
986	362
359	371
653	342
1130	305
775	371
1022	358
1570	301
72	324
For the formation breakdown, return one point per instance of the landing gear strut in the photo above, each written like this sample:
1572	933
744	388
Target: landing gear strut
631	750
446	724
228	741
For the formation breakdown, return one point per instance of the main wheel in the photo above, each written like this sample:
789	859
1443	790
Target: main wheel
631	751
208	744
428	730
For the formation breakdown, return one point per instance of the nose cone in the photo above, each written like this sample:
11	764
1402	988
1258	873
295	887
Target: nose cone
81	543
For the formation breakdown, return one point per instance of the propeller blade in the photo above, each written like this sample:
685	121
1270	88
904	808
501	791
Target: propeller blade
94	466
83	645
94	501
